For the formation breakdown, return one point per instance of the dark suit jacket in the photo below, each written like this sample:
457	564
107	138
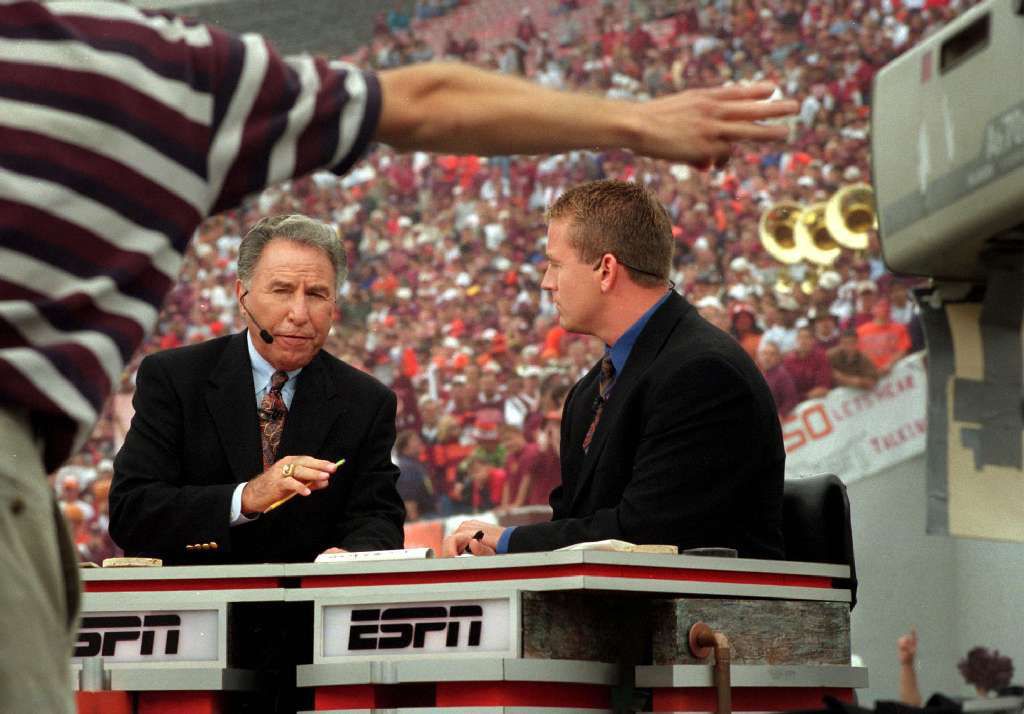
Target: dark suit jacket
688	450
195	437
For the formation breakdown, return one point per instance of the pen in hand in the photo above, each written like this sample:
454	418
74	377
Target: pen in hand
478	536
339	463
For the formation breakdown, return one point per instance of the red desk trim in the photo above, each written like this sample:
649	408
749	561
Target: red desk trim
118	586
463	694
570	570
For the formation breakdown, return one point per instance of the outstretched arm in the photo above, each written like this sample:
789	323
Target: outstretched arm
459	109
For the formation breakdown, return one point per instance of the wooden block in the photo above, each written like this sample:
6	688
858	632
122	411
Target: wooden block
760	631
590	626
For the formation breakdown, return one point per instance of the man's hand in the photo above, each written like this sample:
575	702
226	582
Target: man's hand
306	475
907	647
334	550
462	539
700	126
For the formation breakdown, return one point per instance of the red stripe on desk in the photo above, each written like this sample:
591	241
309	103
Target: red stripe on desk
117	586
374	696
703	699
177	702
561	571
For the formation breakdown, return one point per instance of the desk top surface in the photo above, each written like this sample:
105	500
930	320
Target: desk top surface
532	567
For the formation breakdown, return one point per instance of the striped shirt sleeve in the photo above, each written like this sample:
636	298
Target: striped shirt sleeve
119	132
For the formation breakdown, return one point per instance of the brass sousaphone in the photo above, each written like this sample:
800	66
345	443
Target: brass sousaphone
851	216
776	231
816	243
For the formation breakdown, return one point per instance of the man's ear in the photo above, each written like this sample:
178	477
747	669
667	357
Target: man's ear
611	272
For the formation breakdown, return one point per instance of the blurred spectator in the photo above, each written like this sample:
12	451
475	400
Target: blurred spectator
414	485
986	670
526	31
535	470
712	310
769	359
782	323
867	297
850	366
446	454
479	487
902	309
430	415
489	397
71	496
826	331
744	328
881	340
808	366
523	397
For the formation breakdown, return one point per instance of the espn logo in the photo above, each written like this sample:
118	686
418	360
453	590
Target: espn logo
100	635
398	628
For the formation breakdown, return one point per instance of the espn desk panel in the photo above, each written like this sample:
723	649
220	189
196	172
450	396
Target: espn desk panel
168	635
557	631
547	632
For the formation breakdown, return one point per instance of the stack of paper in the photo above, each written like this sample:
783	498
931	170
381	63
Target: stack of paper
367	556
621	546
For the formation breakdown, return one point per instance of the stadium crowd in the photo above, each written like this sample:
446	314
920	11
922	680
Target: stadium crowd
443	300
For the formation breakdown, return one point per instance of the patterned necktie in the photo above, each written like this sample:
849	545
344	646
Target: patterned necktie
604	388
272	414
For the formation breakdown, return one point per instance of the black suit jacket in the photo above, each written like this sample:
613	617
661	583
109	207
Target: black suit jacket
195	437
688	450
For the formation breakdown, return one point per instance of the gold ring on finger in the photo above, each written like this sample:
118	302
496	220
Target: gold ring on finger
287	469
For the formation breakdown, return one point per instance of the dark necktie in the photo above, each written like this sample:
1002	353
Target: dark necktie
604	388
272	415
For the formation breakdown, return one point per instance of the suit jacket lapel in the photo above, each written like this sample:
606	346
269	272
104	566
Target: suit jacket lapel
646	349
231	399
575	420
315	408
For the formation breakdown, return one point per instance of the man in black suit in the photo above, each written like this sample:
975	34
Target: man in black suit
225	429
673	437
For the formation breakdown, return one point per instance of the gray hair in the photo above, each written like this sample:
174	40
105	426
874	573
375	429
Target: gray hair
293	227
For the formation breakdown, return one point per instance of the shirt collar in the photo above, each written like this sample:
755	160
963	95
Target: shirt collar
262	370
619	352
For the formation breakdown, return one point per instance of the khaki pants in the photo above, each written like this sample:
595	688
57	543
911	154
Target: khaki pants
38	580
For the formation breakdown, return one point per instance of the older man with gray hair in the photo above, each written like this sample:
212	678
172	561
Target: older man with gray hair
226	432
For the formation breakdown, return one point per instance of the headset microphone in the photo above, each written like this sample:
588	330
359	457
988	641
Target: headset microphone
264	335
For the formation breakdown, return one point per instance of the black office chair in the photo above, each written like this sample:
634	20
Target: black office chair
816	524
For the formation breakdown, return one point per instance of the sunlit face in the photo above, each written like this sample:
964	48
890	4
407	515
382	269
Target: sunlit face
574	285
824	327
880	311
768	356
804	341
292	295
743	322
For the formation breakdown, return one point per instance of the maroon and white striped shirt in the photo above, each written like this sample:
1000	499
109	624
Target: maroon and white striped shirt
119	132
